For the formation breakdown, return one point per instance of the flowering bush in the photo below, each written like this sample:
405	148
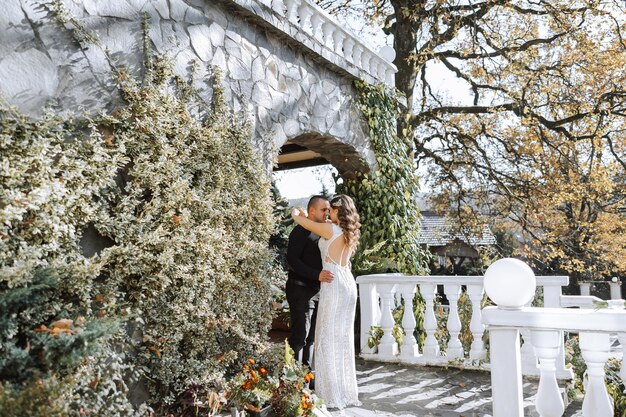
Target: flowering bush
252	388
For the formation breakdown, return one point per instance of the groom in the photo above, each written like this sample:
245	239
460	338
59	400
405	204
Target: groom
304	277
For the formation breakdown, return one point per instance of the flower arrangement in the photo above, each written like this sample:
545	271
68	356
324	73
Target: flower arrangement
286	389
252	388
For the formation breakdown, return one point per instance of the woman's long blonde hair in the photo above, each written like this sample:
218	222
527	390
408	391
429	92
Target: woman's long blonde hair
348	219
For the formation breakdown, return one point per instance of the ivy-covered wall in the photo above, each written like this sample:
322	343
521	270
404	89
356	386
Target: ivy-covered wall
133	248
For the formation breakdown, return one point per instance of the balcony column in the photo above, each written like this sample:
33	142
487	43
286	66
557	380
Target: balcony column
622	371
370	314
388	346
455	348
328	29
552	299
410	348
366	58
585	288
338	37
292	10
506	372
348	45
431	347
616	289
595	351
316	26
477	351
305	12
278	6
546	343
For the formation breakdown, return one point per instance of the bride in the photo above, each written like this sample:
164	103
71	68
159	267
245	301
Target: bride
335	374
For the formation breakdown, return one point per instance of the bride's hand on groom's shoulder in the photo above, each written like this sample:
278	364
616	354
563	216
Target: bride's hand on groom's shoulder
295	212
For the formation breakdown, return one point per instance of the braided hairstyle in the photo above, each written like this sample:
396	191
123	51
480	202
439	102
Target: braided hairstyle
348	219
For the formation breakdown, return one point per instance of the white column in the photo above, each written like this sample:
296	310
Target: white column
388	346
279	7
616	290
506	373
305	12
370	314
410	348
477	351
622	370
552	299
546	343
455	348
585	288
338	37
595	350
390	76
327	31
357	52
316	25
365	60
348	45
292	10
431	347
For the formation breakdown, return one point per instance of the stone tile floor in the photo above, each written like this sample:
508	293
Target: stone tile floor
393	390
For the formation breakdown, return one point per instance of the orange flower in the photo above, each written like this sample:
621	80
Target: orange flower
246	367
263	371
251	361
308	377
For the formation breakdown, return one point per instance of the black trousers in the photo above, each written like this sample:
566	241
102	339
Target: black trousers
303	312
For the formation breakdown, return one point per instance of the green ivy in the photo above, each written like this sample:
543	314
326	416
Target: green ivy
386	198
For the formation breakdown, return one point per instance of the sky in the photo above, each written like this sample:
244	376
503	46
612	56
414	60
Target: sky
305	182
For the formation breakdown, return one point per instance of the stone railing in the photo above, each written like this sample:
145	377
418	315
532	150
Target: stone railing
546	327
380	294
309	25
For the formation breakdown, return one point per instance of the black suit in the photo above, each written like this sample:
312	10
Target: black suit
305	265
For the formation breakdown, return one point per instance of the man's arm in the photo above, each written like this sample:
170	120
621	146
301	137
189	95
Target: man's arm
297	240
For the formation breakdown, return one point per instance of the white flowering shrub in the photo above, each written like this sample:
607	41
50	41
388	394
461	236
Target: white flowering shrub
178	209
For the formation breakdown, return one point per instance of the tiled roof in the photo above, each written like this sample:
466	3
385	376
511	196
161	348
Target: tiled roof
437	231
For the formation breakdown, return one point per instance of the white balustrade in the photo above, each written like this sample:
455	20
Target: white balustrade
305	12
292	10
375	305
455	348
388	346
477	351
410	348
279	7
546	325
546	343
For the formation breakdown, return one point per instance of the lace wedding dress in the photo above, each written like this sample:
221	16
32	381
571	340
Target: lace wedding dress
335	373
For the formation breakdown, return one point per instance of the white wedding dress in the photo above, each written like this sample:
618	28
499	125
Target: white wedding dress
335	373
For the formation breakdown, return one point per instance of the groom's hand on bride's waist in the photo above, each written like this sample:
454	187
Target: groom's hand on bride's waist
326	276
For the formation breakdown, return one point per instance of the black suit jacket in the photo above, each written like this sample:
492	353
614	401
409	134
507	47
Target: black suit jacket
303	257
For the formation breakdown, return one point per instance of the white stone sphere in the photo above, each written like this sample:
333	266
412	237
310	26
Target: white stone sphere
510	283
388	53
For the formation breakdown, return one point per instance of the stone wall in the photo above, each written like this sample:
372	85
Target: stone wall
288	90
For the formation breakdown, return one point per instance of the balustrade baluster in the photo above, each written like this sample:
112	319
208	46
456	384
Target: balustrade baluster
305	12
455	348
365	61
549	402
595	351
622	371
388	345
477	351
292	10
316	26
327	31
370	314
431	347
348	45
389	75
278	6
338	37
409	348
357	52
529	360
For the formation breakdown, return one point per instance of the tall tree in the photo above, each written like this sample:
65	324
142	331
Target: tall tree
537	139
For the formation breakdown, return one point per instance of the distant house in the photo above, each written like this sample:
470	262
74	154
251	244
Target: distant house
450	244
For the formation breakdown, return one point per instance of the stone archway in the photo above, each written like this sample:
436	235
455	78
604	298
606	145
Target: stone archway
312	148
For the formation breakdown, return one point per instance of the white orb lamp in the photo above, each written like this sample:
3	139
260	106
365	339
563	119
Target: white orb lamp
387	53
510	283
